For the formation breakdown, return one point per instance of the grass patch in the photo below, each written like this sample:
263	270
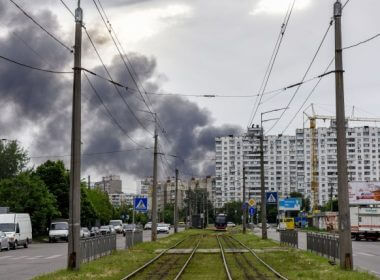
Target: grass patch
296	264
120	263
205	267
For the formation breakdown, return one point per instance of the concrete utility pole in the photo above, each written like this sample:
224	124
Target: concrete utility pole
176	203
154	191
104	184
264	234
89	182
75	163
244	202
343	200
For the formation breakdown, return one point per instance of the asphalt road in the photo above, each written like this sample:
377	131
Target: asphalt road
42	258
366	254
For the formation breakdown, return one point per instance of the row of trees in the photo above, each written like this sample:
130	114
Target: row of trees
43	192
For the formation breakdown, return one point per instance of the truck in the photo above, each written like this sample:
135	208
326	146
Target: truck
18	228
365	222
59	230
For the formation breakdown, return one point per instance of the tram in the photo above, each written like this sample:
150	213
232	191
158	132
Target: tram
221	222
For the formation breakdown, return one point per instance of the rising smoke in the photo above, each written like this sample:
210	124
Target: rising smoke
41	103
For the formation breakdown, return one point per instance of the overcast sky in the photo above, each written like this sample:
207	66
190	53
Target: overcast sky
188	47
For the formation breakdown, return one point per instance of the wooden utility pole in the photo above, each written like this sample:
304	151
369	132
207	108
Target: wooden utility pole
75	163
244	204
154	191
176	203
345	244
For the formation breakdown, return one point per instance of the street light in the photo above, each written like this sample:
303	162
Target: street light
264	234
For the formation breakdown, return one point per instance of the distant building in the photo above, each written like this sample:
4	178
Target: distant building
119	199
110	184
287	161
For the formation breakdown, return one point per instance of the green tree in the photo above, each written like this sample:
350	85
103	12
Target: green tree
56	178
88	213
27	193
13	159
234	211
331	205
103	207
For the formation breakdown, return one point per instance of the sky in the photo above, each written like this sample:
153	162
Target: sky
187	47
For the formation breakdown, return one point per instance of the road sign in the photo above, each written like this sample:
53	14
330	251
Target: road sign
140	204
252	211
271	197
251	202
289	204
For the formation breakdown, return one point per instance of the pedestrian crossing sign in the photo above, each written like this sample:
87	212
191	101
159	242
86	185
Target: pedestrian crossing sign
271	197
141	204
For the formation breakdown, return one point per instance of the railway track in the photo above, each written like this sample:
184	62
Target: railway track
168	265
247	267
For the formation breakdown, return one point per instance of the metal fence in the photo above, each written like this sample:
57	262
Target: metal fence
326	245
95	247
289	237
133	238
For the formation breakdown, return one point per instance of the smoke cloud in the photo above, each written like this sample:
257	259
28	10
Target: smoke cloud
41	103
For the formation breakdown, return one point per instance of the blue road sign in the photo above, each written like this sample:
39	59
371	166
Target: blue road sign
290	204
272	197
252	211
140	204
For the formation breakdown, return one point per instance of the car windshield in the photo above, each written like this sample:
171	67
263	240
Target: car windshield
2	234
104	227
94	228
7	227
114	223
85	229
162	225
130	226
59	226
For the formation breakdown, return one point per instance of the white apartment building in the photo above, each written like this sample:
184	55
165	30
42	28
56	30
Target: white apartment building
287	161
118	199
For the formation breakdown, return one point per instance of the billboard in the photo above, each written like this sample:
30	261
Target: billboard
289	204
363	193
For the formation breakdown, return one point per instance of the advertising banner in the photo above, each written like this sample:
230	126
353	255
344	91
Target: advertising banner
289	204
364	193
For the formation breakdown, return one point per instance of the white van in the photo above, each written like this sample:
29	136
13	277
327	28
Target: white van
18	228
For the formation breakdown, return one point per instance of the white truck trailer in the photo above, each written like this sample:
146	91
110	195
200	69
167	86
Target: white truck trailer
365	222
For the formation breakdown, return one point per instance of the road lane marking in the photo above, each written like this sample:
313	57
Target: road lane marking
53	257
366	254
19	258
35	258
5	257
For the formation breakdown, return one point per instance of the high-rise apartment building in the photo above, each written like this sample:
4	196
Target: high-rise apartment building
287	161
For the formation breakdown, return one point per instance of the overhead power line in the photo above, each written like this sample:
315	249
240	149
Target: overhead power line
94	154
305	75
271	63
41	27
362	42
309	95
33	67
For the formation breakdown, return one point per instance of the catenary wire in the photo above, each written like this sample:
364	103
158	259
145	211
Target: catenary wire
362	42
304	76
308	97
115	86
41	27
33	67
272	61
93	154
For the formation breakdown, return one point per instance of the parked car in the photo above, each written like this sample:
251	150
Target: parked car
162	228
230	224
118	225
59	230
4	243
148	226
105	230
84	232
18	229
129	228
94	231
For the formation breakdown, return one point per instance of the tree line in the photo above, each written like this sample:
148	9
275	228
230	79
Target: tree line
43	192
